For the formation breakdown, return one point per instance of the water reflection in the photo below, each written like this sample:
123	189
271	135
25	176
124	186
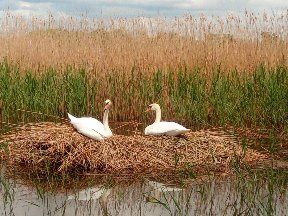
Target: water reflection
161	187
89	194
208	197
159	191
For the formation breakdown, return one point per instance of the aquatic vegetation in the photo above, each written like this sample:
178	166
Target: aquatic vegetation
258	192
257	100
146	44
205	72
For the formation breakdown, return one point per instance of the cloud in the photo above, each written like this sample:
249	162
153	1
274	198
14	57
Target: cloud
130	8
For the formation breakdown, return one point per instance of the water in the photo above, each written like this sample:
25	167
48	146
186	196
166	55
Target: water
247	192
204	196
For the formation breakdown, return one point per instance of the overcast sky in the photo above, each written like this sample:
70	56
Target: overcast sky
130	8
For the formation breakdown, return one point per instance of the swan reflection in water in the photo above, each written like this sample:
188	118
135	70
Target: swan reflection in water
91	194
160	188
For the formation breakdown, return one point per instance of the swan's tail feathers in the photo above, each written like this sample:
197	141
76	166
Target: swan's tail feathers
187	130
71	117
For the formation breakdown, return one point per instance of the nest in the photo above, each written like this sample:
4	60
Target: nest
46	147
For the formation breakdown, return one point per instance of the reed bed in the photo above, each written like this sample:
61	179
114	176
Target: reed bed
51	147
256	100
239	42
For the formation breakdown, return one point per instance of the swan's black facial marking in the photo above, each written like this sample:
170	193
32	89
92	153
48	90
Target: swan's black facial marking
107	105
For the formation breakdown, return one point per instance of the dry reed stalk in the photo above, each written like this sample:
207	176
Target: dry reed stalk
1	109
145	44
58	147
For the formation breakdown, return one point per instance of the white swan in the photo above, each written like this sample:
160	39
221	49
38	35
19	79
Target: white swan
91	127
161	127
162	187
91	194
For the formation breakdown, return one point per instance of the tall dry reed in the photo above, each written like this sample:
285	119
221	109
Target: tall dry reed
123	45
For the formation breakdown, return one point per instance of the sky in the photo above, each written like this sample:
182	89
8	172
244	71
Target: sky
133	8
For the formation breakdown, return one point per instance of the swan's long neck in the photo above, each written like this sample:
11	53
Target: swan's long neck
105	121
158	115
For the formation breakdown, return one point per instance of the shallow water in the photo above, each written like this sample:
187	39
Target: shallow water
210	196
235	195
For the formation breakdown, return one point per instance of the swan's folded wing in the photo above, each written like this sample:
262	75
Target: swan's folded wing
93	134
88	122
165	128
91	123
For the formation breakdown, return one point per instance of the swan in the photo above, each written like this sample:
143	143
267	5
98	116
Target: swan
91	127
91	194
162	187
161	127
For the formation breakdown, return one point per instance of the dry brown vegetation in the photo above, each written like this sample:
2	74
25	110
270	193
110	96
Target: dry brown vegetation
50	147
241	42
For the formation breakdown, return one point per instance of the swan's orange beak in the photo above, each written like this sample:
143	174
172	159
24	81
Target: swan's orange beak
107	107
148	110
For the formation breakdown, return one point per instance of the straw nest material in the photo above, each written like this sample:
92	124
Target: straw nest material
58	147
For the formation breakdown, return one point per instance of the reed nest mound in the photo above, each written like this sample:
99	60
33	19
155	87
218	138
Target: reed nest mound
46	147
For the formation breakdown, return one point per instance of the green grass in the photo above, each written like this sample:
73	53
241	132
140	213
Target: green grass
249	187
258	99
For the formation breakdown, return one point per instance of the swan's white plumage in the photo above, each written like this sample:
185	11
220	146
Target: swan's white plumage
161	127
91	127
87	123
165	128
